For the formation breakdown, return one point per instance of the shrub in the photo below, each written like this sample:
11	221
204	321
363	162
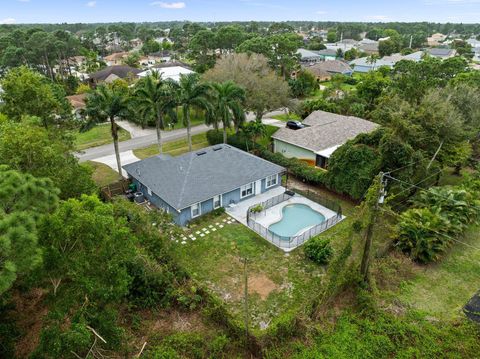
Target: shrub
319	250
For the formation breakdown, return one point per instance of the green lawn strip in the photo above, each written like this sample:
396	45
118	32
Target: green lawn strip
102	174
286	117
443	288
173	148
195	119
216	261
97	136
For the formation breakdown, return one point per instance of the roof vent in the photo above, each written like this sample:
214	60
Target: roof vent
201	153
218	148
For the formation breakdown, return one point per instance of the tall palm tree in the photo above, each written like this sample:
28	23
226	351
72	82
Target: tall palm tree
228	104
157	98
192	93
107	103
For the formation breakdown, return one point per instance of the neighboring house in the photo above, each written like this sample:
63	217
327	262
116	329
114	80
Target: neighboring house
436	39
474	43
168	70
369	47
78	103
198	182
161	40
112	73
155	58
441	52
327	54
307	56
116	58
323	134
136	44
365	64
324	70
344	45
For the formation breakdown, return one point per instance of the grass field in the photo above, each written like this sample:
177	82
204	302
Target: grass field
277	282
97	136
173	148
102	174
442	289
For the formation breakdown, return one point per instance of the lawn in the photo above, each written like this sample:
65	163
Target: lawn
442	289
173	148
102	174
97	136
287	117
277	282
196	118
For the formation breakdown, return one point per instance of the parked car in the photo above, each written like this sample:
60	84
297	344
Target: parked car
295	125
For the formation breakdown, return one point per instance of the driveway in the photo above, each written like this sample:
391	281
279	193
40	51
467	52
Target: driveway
126	158
135	130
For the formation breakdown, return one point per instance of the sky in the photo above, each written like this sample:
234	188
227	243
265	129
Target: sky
71	11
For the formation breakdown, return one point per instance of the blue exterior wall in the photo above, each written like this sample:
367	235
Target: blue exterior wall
185	215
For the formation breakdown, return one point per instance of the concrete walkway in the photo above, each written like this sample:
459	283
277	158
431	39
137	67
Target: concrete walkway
126	158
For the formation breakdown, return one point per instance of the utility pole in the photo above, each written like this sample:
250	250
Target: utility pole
245	276
411	41
364	267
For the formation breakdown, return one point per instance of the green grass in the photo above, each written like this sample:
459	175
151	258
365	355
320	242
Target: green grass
442	289
287	117
216	260
97	136
102	174
173	148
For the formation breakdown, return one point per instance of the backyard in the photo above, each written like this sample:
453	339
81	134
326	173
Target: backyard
213	249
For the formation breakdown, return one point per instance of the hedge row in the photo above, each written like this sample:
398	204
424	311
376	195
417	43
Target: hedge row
238	140
296	167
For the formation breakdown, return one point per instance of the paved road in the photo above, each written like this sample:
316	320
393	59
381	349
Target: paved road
151	139
138	142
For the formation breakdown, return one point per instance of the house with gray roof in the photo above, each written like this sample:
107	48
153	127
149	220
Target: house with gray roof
112	73
324	70
323	134
441	52
307	56
199	182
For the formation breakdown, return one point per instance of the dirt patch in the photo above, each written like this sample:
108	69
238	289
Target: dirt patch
29	312
261	284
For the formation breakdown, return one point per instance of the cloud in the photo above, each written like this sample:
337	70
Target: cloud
91	4
320	12
8	21
169	5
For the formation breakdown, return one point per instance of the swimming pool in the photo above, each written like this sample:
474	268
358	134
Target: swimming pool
296	217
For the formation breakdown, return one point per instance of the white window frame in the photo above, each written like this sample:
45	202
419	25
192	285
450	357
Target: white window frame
220	201
149	191
248	186
273	179
199	204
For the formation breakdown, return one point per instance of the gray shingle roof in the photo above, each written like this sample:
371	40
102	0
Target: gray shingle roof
325	130
331	66
200	175
440	51
122	71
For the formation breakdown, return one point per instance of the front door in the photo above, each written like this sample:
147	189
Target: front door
258	187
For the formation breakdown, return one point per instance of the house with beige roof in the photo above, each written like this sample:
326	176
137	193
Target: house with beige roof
323	133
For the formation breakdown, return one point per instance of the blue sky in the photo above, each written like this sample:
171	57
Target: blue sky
54	11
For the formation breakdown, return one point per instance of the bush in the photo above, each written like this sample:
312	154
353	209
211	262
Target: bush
319	250
238	140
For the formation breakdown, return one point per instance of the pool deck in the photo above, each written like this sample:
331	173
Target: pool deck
274	214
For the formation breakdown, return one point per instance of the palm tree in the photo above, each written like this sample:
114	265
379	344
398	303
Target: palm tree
372	59
156	97
253	130
228	99
192	93
107	103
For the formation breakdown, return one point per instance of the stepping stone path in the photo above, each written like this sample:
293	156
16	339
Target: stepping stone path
204	231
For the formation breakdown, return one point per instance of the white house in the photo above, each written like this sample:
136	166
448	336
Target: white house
168	71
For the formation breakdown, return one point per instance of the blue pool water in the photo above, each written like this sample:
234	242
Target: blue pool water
296	217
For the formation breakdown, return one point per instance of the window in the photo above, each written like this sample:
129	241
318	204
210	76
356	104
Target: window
149	191
271	181
196	210
217	201
246	190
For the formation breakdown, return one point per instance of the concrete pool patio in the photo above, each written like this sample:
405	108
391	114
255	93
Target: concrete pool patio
272	213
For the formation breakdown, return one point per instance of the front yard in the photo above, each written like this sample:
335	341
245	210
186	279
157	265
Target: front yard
97	136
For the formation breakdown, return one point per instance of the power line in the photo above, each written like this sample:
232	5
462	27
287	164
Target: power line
416	184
